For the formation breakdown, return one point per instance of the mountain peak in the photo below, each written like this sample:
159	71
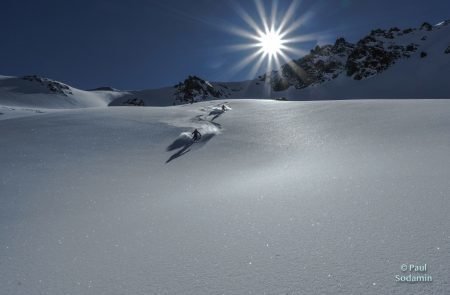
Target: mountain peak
371	55
194	89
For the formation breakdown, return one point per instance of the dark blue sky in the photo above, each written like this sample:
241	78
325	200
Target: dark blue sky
138	44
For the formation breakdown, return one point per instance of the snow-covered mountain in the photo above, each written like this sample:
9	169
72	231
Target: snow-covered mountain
192	89
40	92
393	63
296	197
370	56
410	63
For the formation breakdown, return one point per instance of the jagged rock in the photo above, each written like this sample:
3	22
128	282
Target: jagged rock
53	86
377	32
411	47
426	26
195	89
371	55
366	61
407	31
104	88
324	63
394	29
447	51
134	102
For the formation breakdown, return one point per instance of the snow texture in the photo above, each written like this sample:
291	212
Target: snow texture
284	198
38	92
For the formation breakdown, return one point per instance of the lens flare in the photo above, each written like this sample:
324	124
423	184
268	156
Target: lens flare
271	39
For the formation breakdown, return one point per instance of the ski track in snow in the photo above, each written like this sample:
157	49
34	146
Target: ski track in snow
292	198
319	197
205	124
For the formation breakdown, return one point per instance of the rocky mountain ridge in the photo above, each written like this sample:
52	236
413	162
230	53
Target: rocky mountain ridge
370	56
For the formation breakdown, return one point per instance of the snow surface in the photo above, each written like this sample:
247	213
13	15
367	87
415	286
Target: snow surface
326	197
413	77
18	93
408	78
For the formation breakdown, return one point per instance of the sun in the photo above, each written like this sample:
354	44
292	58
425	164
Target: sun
271	43
270	40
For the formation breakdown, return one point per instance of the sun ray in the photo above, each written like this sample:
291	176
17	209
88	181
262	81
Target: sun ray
296	51
272	40
269	63
302	38
243	33
295	25
248	19
298	71
246	61
255	69
257	66
285	57
276	61
273	17
262	14
287	17
245	46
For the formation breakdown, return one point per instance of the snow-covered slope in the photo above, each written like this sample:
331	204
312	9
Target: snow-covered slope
192	89
422	73
39	92
394	63
277	198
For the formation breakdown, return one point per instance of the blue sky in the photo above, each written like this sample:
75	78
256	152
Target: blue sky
139	44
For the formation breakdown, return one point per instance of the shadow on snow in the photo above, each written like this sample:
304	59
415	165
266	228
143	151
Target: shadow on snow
184	143
209	129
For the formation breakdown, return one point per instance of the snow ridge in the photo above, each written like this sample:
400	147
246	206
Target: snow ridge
370	56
